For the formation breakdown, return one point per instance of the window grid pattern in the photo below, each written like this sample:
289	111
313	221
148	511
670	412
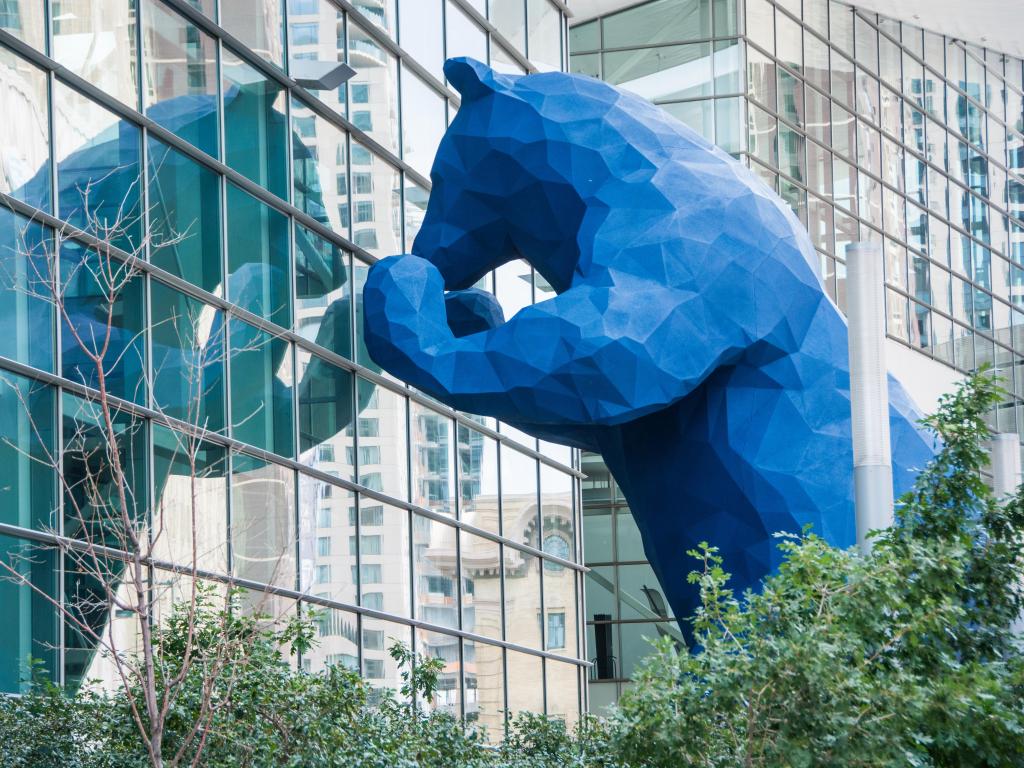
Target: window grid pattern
369	519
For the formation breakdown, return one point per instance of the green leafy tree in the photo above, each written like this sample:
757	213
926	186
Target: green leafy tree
901	657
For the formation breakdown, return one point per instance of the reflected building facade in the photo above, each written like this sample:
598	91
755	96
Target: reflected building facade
871	129
172	131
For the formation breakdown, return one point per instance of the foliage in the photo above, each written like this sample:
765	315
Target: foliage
904	656
901	657
263	711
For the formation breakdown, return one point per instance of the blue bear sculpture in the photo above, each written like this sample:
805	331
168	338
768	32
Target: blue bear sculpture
690	343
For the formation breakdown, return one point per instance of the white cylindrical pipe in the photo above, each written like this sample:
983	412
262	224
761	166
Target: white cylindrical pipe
1006	469
869	390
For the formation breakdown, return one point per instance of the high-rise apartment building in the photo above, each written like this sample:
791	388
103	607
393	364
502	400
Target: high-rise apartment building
189	134
872	129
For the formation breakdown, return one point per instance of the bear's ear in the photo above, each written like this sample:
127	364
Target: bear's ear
470	78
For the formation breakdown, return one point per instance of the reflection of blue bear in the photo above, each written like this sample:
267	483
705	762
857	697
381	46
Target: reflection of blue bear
691	342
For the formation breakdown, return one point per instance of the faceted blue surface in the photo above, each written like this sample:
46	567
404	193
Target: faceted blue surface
690	343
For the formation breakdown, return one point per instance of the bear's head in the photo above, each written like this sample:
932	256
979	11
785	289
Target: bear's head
514	173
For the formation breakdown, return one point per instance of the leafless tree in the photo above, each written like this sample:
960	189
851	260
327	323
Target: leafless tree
108	533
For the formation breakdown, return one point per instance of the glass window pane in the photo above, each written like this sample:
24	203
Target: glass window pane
180	77
671	72
597	535
415	203
377	73
481	585
640	594
788	41
728	65
760	24
522	598
438	645
27	474
560	607
188	358
381	425
519	497
637	642
258	257
425	125
26	291
190	486
866	43
92	488
761	78
435	572
544	25
509	17
26	20
384	578
325	414
255	126
379	669
262	521
662	21
31	622
484	679
257	23
763	141
816	64
563	691
524	698
92	512
628	544
514	287
320	168
422	36
323	312
556	505
464	37
318	34
96	40
337	634
478	478
376	196
97	155
585	37
104	310
261	396
327	521
184	217
24	133
433	482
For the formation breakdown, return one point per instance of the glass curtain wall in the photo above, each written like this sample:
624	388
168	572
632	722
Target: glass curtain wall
391	516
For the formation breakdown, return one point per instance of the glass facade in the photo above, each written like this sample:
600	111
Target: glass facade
250	209
871	129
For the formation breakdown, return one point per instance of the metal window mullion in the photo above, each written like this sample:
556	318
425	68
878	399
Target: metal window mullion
411	606
58	414
226	323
